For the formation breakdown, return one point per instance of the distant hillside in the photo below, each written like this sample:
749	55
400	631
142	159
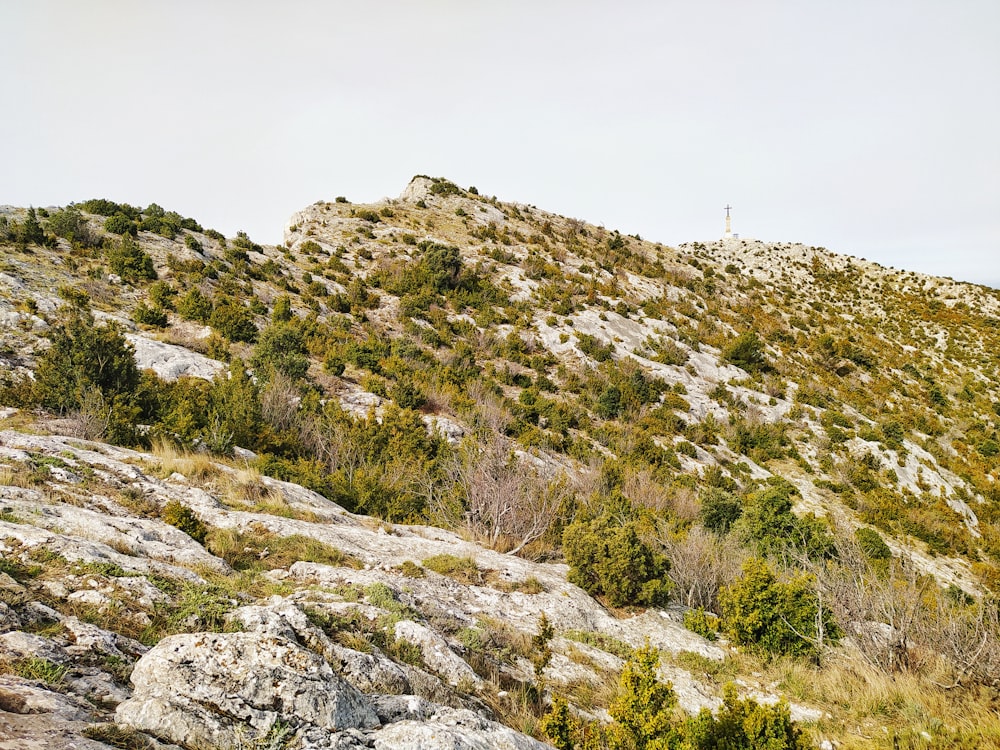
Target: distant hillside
802	443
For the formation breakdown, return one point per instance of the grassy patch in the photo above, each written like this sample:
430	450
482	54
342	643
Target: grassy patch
410	569
354	630
36	668
193	466
116	735
529	585
606	643
260	549
462	569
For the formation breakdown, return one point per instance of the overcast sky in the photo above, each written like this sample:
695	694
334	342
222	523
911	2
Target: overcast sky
870	127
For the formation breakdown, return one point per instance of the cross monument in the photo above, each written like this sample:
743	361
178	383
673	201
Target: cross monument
729	229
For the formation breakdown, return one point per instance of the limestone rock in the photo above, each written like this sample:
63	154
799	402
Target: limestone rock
9	619
20	645
452	729
437	655
35	718
211	688
171	362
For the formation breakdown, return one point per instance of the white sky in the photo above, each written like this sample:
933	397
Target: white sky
870	127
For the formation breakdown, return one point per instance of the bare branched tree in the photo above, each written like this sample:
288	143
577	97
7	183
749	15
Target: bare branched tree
901	619
509	502
701	563
279	402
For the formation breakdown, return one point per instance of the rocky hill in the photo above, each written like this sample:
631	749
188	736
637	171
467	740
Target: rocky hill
439	465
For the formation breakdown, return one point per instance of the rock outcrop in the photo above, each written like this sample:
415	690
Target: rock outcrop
320	662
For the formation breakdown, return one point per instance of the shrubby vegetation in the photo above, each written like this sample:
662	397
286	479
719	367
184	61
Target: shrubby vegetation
611	560
645	717
438	313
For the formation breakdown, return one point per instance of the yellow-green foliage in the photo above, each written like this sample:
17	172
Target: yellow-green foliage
182	517
772	616
257	548
645	717
611	560
463	569
701	622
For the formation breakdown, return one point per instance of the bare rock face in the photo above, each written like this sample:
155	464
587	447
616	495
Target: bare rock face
452	729
212	688
418	189
171	362
438	656
35	718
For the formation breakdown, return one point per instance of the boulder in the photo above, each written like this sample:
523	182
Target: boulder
219	688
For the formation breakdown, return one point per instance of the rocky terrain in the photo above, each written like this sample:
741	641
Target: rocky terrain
85	553
357	461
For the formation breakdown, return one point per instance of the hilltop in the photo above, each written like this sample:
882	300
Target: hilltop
382	450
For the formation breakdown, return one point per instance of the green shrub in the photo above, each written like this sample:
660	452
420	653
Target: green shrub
744	724
149	316
70	224
104	207
610	560
407	395
182	517
774	617
701	622
84	355
872	544
121	224
768	524
161	294
191	243
444	187
594	348
747	353
280	348
559	726
410	569
195	306
643	709
233	321
130	261
719	509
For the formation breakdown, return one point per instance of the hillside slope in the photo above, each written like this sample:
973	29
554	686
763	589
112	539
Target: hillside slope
488	379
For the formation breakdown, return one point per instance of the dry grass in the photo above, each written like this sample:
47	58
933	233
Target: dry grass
194	466
17	476
869	708
257	549
245	491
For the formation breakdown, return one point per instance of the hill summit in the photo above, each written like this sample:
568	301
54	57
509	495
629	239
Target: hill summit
450	470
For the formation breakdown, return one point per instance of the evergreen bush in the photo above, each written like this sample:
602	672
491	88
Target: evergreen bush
611	560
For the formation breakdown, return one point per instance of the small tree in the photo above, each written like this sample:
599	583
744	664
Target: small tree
234	410
775	617
643	708
558	725
83	354
30	232
280	348
90	368
233	320
195	306
130	261
70	225
611	560
747	353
